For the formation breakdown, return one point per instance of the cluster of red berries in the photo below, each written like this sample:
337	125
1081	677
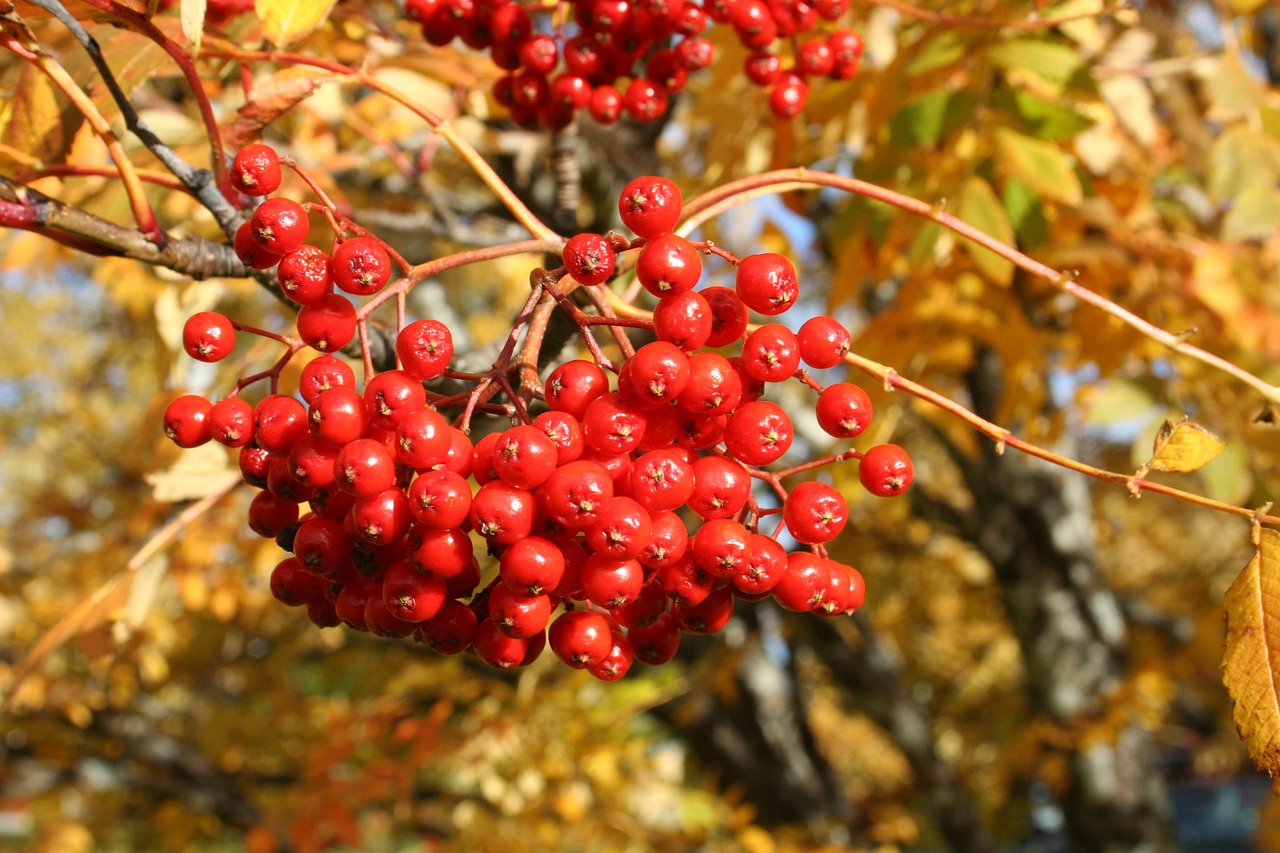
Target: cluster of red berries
626	505
275	237
556	68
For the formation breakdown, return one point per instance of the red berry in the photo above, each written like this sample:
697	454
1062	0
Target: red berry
268	515
580	638
208	336
650	206
361	266
440	499
815	513
424	348
497	649
532	566
382	518
656	643
305	274
517	614
280	422
767	283
525	456
572	386
565	433
450	631
788	96
708	617
728	316
668	540
803	584
823	342
186	421
617	662
423	439
589	258
576	495
759	433
256	170
659	372
444	553
410	595
714	387
328	324
321	374
815	58
606	104
661	480
844	410
231	422
249	251
392	396
364	468
609	583
885	470
763	68
622	530
502	513
771	353
668	265
279	225
293	586
722	487
684	320
611	426
764	569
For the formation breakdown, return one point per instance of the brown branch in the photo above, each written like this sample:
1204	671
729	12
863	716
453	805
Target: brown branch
30	210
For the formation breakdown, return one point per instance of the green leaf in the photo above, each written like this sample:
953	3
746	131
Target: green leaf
939	51
1039	117
1116	402
1026	213
284	21
1041	165
1050	61
980	207
1255	214
926	119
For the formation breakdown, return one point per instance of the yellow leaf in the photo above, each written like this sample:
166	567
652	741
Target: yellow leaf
980	207
1183	446
1252	653
198	473
192	14
1041	165
284	21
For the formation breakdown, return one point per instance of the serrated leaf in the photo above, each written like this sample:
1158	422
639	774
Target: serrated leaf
1251	656
1183	446
284	21
191	13
980	207
1041	165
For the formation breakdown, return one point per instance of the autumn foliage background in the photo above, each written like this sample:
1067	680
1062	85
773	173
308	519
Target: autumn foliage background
1024	625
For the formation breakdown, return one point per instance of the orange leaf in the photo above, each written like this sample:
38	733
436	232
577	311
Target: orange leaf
1251	661
270	99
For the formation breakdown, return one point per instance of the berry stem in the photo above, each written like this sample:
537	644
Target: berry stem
733	193
364	77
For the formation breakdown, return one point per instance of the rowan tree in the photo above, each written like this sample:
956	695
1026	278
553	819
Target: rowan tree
738	424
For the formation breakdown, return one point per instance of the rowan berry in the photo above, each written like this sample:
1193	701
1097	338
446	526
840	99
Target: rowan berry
208	336
410	595
885	470
361	266
843	410
668	265
728	316
525	456
767	283
771	353
255	170
649	206
572	386
365	467
280	422
231	422
656	643
759	433
186	421
279	225
327	324
588	257
580	638
823	342
322	373
392	396
815	513
532	566
305	274
684	319
440	499
450	631
424	348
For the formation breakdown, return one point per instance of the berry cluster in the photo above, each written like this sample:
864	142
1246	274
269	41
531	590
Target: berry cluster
617	57
625	502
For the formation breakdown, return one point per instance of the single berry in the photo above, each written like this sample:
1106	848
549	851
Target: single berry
208	336
256	170
885	470
650	206
361	266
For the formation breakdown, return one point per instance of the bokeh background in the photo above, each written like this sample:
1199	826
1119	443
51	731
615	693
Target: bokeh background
1037	666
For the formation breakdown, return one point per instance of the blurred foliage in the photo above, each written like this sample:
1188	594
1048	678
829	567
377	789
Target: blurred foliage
192	711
